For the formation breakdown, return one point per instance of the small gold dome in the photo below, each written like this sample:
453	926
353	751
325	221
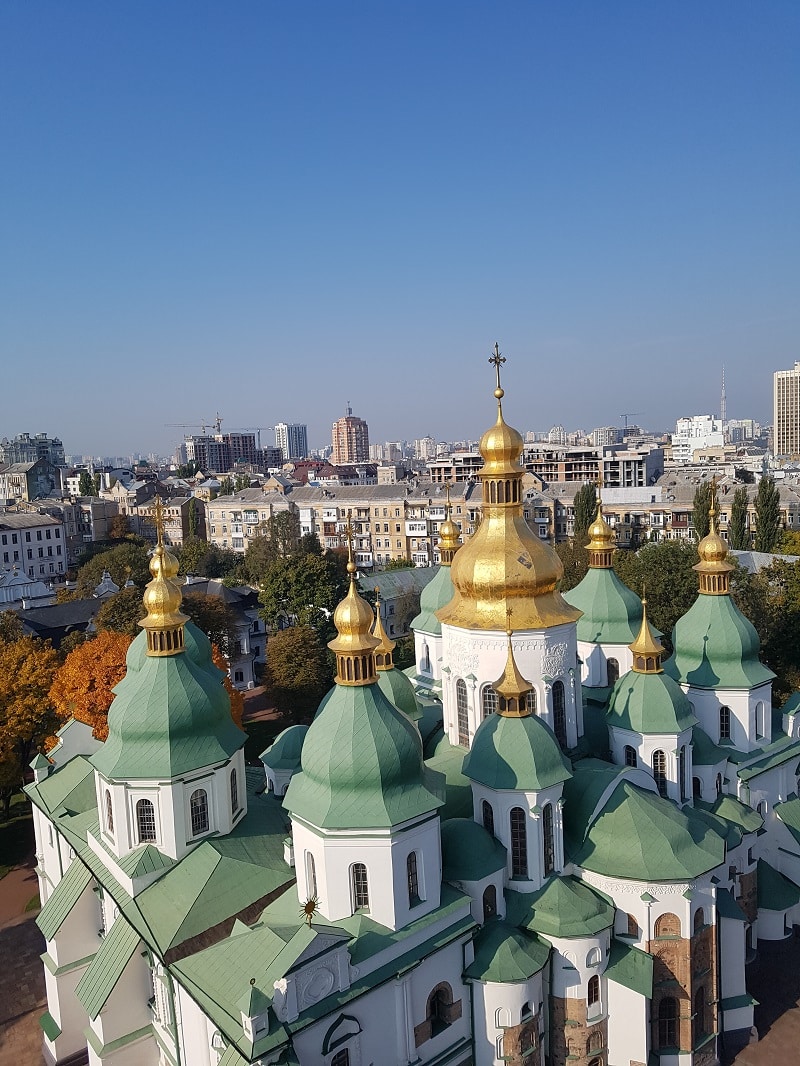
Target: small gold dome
385	646
449	534
602	540
647	648
713	568
512	688
354	645
164	621
501	447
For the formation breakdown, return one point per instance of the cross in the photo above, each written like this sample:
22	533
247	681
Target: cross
497	359
349	532
159	516
447	495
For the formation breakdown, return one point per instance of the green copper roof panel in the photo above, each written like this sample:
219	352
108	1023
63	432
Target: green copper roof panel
612	613
50	1027
436	594
650	703
505	954
448	759
789	814
564	907
145	860
516	753
69	788
630	967
285	750
231	1057
775	892
728	907
716	647
704	751
397	688
67	893
774	755
590	779
734	811
107	967
469	852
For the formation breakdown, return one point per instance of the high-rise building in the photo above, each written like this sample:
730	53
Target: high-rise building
292	439
786	412
693	433
27	449
350	439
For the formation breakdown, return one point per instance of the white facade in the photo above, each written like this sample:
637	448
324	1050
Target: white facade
698	431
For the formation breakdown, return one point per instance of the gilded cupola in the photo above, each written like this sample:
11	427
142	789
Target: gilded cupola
647	648
164	621
602	540
713	568
385	646
512	688
354	645
449	534
504	565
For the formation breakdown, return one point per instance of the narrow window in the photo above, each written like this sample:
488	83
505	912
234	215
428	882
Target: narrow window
548	842
630	756
682	771
633	926
519	843
559	713
699	921
341	1058
311	876
462	716
109	813
234	792
612	667
668	925
699	1015
530	701
724	723
439	1009
198	810
489	701
358	875
489	902
593	993
660	772
145	820
668	1022
488	817
413	879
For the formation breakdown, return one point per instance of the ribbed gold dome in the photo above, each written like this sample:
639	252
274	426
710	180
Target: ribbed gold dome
164	621
713	568
602	540
505	566
449	534
354	646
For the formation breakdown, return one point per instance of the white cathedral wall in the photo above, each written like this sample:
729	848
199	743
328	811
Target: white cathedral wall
498	1006
646	745
628	1024
594	659
502	803
732	950
574	961
428	654
196	1031
681	898
751	713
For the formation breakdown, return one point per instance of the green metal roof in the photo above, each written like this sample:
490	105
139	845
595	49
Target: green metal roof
564	907
469	852
436	594
590	779
728	907
69	788
505	954
612	613
515	753
734	811
448	759
704	751
144	860
775	891
649	703
231	1057
170	714
774	755
285	750
107	967
397	688
66	894
716	647
631	967
789	814
362	765
642	837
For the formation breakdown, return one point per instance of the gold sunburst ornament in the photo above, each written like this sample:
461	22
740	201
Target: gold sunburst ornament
310	909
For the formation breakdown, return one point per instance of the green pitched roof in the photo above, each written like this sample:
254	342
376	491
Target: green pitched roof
728	907
631	967
704	751
716	647
582	793
397	688
612	613
107	967
69	788
436	594
66	894
285	750
448	759
640	836
469	852
649	703
789	814
362	765
780	751
515	753
170	714
505	954
564	907
775	892
734	811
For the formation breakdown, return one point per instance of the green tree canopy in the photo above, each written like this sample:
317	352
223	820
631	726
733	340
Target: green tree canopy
299	670
86	485
303	589
399	564
575	560
704	494
197	556
215	617
119	527
738	535
126	560
122	613
278	536
585	508
768	516
663	571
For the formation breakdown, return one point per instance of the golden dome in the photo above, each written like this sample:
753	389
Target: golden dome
449	534
164	621
385	646
354	645
647	648
504	566
602	540
512	688
713	568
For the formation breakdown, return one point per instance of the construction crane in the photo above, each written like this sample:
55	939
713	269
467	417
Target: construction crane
202	426
630	414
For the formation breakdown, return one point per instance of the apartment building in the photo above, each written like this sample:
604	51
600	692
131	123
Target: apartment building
233	521
350	439
616	466
786	412
35	544
29	481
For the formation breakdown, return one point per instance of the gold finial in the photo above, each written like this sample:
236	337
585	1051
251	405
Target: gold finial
602	539
158	512
713	568
351	566
354	645
448	533
497	359
164	621
383	652
511	686
647	648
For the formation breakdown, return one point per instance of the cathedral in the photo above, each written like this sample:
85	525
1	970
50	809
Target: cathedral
545	844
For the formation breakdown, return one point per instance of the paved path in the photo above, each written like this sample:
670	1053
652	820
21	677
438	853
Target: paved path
22	996
17	889
774	979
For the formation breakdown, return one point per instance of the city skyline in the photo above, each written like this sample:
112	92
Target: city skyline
273	211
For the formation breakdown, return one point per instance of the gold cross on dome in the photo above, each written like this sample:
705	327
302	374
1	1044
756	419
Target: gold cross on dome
349	534
159	517
497	359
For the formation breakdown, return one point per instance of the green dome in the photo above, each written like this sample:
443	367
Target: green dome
362	765
469	852
612	613
504	954
397	688
515	753
564	907
285	750
642	837
448	759
649	703
716	647
436	594
170	714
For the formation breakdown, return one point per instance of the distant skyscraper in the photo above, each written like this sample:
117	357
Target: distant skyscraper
292	439
350	439
27	449
786	412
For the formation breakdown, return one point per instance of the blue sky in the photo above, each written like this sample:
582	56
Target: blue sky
268	209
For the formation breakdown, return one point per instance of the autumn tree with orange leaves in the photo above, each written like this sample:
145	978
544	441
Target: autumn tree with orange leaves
82	687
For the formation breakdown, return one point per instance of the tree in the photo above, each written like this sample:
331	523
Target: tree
298	671
575	560
86	484
279	536
226	486
11	628
235	696
215	617
119	527
703	496
404	654
399	564
789	544
663	571
126	560
82	687
192	517
738	536
121	613
585	508
27	716
768	515
303	589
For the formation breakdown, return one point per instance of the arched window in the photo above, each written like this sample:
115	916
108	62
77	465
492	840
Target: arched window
699	920
530	701
519	843
341	1058
234	792
594	957
595	1042
697	787
462	714
559	713
360	886
440	1008
548	842
724	723
761	721
109	813
719	784
488	816
593	991
527	1039
682	771
311	875
489	902
699	1014
413	879
489	701
668	1022
630	756
612	668
660	772
198	811
667	925
145	820
633	926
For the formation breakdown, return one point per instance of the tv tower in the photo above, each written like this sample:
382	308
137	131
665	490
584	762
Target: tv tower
723	403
